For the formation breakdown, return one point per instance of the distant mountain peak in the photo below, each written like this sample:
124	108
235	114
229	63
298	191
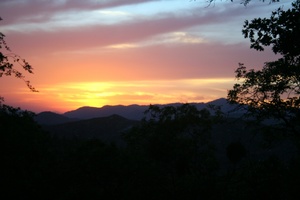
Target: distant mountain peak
218	101
85	108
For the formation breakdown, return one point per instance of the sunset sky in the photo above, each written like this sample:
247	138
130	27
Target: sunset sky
111	52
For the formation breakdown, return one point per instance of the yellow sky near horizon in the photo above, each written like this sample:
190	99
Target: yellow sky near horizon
69	96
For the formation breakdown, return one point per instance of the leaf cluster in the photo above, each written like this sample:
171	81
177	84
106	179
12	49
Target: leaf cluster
281	31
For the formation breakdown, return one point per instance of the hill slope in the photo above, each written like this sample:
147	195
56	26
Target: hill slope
107	129
51	118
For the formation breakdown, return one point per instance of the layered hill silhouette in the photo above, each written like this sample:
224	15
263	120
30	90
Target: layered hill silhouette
110	122
105	123
132	112
51	118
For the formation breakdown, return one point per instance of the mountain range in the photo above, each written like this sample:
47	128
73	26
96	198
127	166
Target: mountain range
105	123
131	112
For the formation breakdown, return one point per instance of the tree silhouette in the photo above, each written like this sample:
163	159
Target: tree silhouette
273	92
24	153
173	146
8	59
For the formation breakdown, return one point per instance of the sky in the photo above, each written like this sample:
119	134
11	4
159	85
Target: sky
123	52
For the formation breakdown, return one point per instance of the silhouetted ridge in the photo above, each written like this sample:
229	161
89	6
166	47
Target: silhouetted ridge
134	112
51	118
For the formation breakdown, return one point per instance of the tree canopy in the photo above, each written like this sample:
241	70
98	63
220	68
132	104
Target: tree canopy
273	91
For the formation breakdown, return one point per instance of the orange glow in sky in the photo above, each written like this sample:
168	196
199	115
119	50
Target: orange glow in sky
96	53
69	96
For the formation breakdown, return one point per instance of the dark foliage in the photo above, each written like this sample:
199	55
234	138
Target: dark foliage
23	150
273	92
169	156
235	152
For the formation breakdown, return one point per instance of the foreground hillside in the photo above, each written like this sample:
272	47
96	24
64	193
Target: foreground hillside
111	129
176	153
